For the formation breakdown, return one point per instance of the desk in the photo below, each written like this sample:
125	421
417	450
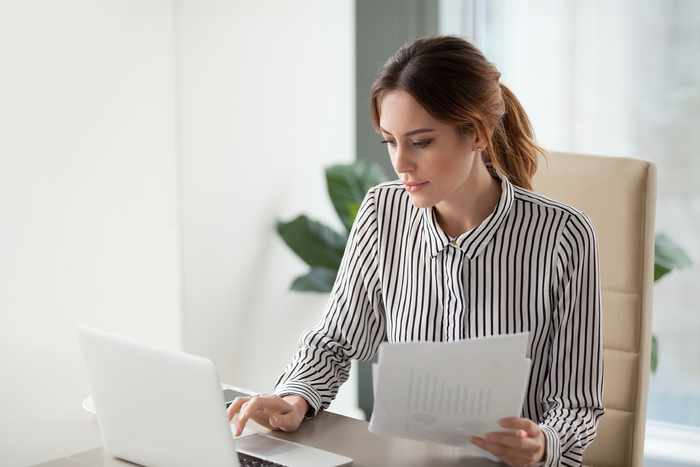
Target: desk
339	434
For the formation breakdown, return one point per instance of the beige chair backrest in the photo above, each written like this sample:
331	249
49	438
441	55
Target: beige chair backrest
619	196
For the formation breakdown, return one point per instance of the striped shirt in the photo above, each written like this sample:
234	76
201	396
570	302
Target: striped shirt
531	265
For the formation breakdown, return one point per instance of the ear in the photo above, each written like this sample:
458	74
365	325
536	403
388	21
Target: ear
472	133
479	141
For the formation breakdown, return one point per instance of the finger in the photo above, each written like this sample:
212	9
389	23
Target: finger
260	408
270	403
235	406
274	403
285	422
528	425
251	406
514	433
493	448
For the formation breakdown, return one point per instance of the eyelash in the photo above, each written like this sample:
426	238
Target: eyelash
419	144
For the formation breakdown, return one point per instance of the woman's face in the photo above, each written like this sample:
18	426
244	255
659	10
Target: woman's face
432	159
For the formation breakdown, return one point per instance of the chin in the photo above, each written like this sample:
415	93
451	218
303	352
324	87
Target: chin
420	201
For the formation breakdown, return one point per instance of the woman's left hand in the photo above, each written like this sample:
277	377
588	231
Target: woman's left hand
523	446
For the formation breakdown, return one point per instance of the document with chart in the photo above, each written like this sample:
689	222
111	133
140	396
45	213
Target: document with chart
446	392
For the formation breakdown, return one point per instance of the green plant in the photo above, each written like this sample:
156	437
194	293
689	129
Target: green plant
667	257
322	247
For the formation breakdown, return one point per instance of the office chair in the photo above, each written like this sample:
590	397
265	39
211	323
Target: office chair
619	196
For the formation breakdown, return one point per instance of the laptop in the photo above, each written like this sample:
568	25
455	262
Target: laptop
159	407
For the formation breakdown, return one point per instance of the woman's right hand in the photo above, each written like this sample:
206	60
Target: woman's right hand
269	410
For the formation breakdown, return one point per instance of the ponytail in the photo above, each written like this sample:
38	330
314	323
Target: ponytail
512	149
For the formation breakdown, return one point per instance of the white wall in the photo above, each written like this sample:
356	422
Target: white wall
266	101
118	118
88	203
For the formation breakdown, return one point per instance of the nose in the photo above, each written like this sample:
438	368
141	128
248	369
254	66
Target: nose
402	160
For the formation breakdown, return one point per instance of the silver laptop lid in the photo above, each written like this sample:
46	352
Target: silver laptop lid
138	393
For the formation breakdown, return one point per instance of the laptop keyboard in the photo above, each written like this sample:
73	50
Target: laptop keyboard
250	461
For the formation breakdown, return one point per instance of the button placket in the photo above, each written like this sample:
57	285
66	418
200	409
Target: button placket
457	290
465	297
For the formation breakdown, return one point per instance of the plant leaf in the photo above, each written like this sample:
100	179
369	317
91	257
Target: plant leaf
316	280
654	353
353	208
668	256
659	272
348	184
315	243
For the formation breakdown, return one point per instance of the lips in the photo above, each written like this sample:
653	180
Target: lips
412	187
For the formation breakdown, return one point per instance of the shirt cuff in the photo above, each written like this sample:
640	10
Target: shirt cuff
298	388
553	447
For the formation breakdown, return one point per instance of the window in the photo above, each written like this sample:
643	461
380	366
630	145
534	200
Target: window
619	78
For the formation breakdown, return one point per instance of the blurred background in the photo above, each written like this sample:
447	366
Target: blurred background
148	147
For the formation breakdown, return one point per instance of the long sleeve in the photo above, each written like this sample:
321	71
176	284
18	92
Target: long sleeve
352	326
573	391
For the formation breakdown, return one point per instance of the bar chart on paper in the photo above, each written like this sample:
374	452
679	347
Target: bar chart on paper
445	392
430	396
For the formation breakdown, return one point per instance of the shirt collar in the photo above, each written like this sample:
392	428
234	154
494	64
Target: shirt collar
473	241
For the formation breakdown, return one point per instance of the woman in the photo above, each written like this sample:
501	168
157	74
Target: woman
459	248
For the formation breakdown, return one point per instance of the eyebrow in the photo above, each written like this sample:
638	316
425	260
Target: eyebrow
412	132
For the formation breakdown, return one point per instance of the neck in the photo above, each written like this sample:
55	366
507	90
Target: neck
470	204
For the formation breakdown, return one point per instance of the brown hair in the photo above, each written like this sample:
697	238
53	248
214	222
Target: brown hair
453	81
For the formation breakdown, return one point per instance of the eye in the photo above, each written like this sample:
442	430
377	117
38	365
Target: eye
418	144
422	143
